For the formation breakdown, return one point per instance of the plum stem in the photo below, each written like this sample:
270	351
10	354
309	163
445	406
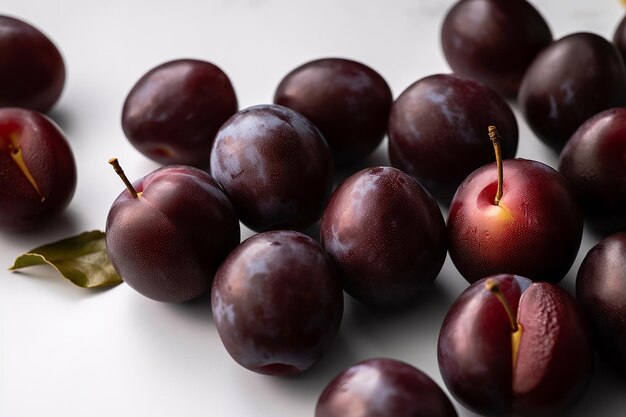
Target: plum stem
495	139
119	171
493	286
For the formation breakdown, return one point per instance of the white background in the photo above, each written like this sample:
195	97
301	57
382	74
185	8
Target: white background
66	351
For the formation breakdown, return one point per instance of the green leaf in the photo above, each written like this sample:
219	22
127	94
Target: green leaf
82	259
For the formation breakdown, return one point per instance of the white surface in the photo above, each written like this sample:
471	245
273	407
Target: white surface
65	351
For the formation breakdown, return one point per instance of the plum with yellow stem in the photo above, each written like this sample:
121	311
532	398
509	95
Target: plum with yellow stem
511	346
37	169
514	216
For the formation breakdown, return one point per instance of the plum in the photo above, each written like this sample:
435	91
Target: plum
594	163
167	233
601	291
569	81
173	112
494	41
275	167
437	131
37	169
277	303
509	346
515	216
32	71
386	235
383	387
347	101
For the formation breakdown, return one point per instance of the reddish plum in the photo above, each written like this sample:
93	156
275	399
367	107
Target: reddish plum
525	222
37	169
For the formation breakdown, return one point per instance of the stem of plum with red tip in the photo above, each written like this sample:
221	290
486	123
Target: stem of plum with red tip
493	286
119	171
495	139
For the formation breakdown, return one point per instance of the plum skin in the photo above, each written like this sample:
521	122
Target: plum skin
181	218
557	96
277	303
382	387
347	101
554	358
594	163
535	231
601	291
173	112
274	166
441	120
386	235
32	71
48	160
511	34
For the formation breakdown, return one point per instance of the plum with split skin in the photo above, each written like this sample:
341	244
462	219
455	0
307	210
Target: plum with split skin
37	169
509	346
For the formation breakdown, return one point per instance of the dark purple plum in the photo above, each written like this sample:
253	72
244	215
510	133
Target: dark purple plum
601	291
594	163
386	235
32	71
277	303
275	167
383	388
348	102
37	169
494	41
437	131
574	78
173	112
512	347
167	241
